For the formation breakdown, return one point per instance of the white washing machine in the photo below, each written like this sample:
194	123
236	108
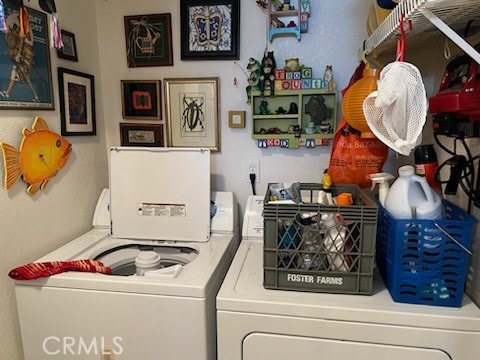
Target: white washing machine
158	203
254	323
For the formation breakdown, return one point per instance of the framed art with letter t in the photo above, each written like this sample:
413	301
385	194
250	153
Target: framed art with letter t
210	29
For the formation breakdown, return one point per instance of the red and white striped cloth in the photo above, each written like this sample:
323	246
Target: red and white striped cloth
43	269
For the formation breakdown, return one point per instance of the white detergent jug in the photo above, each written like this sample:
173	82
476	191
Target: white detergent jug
410	197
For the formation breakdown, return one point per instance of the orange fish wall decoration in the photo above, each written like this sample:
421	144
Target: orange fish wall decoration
42	154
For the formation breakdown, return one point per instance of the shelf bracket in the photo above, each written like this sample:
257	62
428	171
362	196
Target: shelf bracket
452	35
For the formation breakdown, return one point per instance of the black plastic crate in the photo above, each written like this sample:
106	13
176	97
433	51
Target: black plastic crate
305	258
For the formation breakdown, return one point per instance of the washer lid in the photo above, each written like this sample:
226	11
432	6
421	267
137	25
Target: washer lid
160	193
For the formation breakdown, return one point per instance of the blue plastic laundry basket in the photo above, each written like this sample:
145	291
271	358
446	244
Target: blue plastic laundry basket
419	263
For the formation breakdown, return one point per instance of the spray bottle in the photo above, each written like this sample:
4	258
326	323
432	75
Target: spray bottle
382	179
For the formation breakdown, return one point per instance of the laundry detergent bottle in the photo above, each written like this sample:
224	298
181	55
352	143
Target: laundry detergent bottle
410	197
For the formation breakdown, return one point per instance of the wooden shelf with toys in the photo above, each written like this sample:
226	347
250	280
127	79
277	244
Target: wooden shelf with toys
290	107
287	17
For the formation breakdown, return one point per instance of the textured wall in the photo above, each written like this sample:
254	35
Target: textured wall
30	227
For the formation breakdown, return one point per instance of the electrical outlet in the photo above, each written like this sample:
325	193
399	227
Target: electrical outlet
253	167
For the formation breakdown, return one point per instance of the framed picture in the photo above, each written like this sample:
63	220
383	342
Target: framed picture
69	49
210	29
141	134
236	119
77	102
149	40
141	99
25	71
191	107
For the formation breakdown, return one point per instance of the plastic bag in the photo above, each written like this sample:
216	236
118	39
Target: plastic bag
354	158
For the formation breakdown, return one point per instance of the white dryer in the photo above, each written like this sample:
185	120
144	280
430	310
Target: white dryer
254	323
159	203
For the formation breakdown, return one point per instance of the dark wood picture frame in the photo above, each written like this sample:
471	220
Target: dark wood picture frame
77	102
133	134
148	39
141	99
197	17
69	49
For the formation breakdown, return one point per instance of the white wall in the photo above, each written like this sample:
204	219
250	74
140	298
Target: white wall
31	227
336	33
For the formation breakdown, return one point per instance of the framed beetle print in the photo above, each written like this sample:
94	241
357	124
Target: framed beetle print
210	29
191	108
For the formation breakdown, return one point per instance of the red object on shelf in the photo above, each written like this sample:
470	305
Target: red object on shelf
459	90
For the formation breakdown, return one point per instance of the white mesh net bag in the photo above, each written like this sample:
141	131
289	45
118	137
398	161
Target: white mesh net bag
396	112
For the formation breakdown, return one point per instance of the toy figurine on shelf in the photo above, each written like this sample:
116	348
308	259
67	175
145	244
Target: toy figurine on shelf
293	108
286	5
277	4
254	69
267	76
311	128
328	78
292	64
295	130
264	110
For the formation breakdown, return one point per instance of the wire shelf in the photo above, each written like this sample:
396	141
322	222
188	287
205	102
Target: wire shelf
427	17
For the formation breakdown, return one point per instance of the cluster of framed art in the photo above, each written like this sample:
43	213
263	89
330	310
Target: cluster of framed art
26	78
191	104
141	101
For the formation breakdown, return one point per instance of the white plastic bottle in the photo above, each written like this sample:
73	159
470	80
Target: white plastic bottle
334	242
410	197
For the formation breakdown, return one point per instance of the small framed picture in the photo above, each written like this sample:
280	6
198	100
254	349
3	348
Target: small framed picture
149	40
236	119
191	108
133	134
69	49
141	99
77	102
210	29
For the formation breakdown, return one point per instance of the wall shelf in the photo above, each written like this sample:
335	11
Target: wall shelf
307	105
293	21
429	18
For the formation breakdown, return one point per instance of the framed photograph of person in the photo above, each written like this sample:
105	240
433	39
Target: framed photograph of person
77	102
69	49
25	70
210	29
